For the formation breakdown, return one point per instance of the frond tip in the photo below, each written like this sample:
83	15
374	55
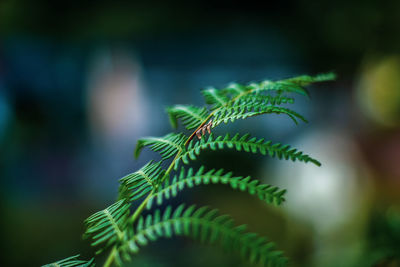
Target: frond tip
269	194
215	97
206	226
167	145
138	184
305	80
191	116
107	226
71	262
220	97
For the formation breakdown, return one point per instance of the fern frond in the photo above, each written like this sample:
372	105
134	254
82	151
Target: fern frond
292	85
267	193
206	226
234	89
254	105
71	262
167	145
191	116
137	184
215	97
107	226
263	99
249	100
244	110
243	143
279	86
305	80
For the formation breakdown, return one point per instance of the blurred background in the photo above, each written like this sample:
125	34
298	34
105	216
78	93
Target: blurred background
80	82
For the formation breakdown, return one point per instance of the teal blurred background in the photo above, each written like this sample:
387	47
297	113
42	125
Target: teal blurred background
80	82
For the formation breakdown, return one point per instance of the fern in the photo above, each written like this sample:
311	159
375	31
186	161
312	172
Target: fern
137	184
278	86
71	262
264	99
305	80
215	97
191	116
108	225
206	226
125	231
267	193
167	145
244	143
292	85
245	110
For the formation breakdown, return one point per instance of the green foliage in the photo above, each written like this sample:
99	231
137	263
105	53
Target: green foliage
244	143
137	184
383	239
125	231
71	262
254	99
191	116
278	86
246	110
167	145
305	80
171	188
108	226
206	226
215	97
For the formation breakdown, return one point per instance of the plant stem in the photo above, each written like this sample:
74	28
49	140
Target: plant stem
110	257
140	208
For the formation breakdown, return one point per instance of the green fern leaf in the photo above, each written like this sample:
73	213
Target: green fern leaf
107	226
235	89
280	86
244	110
254	105
238	91
243	143
215	97
191	116
292	85
267	193
137	184
167	145
206	226
71	262
305	80
263	100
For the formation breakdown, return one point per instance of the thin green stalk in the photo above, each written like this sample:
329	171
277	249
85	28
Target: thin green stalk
110	257
140	208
